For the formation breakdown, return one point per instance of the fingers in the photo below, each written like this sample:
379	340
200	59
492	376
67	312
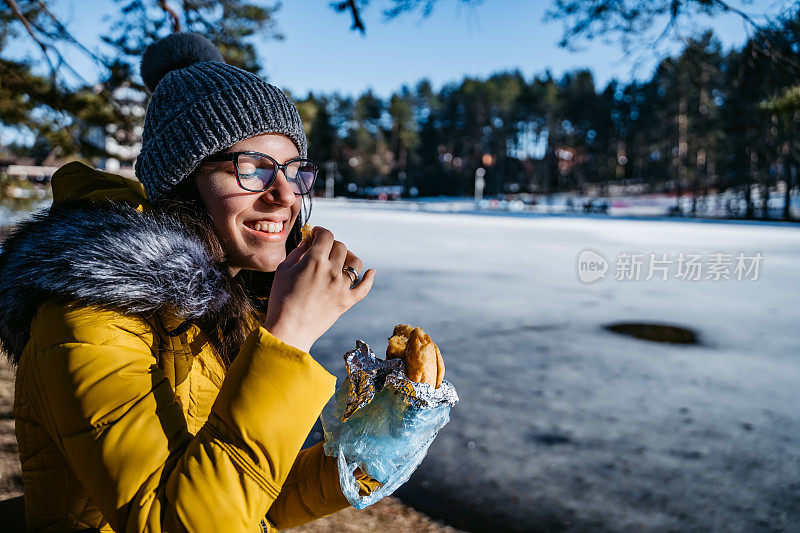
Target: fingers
352	260
322	246
321	243
295	255
338	254
360	290
325	248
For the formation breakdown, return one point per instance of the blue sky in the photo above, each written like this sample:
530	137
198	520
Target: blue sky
320	53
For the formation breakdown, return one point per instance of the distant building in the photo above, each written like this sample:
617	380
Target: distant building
122	145
37	173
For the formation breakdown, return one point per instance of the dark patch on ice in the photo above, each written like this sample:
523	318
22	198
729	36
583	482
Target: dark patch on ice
686	454
655	332
550	439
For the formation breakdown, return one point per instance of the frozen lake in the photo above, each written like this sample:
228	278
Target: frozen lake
563	425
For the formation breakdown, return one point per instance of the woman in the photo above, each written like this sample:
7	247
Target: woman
156	390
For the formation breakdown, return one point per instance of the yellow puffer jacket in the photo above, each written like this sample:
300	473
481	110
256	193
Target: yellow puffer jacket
124	421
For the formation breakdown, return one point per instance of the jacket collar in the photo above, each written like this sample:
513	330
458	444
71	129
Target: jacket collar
103	253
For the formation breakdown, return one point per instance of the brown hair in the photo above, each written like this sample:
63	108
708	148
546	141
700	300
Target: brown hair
228	327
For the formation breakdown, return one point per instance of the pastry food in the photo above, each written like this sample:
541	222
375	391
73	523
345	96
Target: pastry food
306	231
398	341
421	357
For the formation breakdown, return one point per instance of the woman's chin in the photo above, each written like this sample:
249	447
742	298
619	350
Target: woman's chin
261	256
265	263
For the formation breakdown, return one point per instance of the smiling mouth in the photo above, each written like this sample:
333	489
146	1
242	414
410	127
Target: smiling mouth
266	227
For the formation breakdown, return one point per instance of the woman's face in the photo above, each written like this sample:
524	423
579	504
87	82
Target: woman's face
237	213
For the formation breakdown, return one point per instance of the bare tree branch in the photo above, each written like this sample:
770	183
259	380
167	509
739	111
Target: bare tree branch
173	15
358	24
65	34
25	22
189	6
50	47
765	40
735	10
646	49
632	21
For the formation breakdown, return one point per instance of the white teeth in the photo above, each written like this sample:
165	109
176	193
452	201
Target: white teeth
268	227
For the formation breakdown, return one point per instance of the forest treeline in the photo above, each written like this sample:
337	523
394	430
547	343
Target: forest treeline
707	120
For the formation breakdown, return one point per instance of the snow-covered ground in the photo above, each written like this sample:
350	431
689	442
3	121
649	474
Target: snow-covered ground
563	425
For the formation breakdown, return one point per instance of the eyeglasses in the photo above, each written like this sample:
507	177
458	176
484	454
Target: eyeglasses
255	172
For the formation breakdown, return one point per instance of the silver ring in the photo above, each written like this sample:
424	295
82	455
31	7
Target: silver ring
352	273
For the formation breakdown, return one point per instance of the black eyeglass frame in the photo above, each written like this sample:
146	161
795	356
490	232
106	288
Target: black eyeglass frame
234	157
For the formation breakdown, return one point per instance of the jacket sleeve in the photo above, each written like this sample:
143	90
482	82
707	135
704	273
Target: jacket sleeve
113	414
312	490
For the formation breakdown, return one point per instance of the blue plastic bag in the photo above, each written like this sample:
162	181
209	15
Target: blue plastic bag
383	423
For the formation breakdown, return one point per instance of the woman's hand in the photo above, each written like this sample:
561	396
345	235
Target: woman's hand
310	291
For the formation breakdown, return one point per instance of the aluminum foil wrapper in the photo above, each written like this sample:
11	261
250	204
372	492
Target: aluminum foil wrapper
368	375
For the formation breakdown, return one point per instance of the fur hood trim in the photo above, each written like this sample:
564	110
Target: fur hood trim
106	254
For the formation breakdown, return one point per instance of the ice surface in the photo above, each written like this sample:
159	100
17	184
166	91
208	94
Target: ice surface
563	425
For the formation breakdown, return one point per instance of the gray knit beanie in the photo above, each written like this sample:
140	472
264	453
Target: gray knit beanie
199	106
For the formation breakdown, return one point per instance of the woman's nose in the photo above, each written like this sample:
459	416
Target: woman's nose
280	192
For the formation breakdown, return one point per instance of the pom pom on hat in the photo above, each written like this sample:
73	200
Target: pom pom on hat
176	51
